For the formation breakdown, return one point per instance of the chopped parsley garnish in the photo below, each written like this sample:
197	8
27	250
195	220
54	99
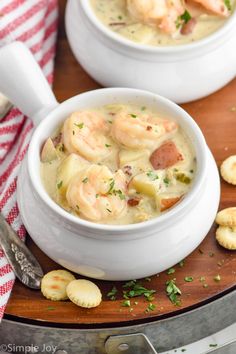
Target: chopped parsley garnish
112	294
202	279
97	195
80	125
191	171
126	303
59	185
166	180
133	115
151	307
228	4
143	108
171	271
107	145
109	210
217	278
50	308
114	191
213	345
186	16
149	296
181	263
136	289
152	175
173	292
110	121
178	22
77	206
120	194
120	17
188	279
85	180
73	132
129	284
112	184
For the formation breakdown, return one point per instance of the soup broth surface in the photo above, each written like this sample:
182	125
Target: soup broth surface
118	164
114	15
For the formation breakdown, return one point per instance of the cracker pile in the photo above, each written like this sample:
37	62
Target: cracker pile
84	293
61	285
54	283
228	170
226	232
226	218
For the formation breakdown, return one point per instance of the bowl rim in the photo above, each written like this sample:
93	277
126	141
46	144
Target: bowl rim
36	181
122	41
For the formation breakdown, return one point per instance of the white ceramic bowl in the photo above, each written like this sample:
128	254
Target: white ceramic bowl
104	251
181	73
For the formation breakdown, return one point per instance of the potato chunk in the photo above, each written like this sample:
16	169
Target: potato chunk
148	183
114	108
48	153
67	169
127	156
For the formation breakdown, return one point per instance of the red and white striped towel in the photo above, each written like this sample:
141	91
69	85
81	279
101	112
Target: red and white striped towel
33	22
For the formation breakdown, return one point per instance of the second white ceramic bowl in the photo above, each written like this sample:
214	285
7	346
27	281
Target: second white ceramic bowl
111	252
181	73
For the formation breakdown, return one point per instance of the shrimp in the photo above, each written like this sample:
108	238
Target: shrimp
218	7
147	11
98	194
85	133
174	10
162	13
140	132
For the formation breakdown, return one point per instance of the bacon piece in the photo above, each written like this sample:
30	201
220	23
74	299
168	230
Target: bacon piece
127	170
165	156
133	202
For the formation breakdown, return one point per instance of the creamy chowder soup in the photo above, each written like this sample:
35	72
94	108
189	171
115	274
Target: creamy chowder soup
118	164
163	22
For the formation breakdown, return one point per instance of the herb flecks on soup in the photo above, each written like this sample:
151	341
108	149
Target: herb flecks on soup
163	22
117	164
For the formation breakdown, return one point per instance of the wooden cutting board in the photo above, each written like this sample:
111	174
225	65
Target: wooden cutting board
216	115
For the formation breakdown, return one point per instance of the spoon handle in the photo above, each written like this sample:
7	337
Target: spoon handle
24	264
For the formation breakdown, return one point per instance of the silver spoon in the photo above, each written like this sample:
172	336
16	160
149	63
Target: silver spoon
24	264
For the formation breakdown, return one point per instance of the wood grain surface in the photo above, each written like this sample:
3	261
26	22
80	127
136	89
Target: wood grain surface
216	116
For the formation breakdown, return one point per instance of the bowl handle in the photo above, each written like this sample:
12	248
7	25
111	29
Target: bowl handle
23	82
